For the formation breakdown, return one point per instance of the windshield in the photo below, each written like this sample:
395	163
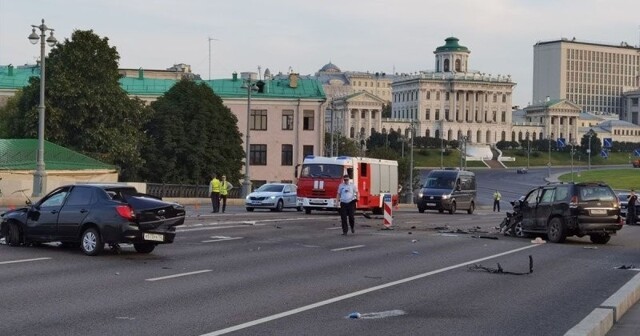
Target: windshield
322	170
440	182
271	188
596	193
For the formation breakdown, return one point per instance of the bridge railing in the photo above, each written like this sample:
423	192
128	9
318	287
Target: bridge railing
185	190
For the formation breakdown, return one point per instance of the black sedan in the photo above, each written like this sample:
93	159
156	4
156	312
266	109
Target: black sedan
92	215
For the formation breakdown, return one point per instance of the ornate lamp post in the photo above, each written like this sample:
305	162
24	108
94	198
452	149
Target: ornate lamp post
40	175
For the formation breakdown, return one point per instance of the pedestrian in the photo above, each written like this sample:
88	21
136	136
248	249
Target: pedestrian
631	208
496	200
214	188
225	186
347	196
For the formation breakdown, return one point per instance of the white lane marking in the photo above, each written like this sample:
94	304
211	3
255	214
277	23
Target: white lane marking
357	293
347	248
177	275
220	238
334	228
22	260
211	228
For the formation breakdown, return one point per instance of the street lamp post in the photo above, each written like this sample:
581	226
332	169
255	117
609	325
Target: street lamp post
528	152
572	152
246	184
40	174
549	163
410	189
589	150
441	153
331	129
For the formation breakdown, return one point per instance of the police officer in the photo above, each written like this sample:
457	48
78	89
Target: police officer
214	187
347	196
225	186
631	208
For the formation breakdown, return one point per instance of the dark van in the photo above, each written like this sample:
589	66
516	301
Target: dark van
448	190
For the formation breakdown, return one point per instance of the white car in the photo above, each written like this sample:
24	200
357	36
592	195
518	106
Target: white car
273	196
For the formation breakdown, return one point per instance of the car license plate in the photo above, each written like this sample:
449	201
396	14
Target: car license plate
153	237
431	204
598	211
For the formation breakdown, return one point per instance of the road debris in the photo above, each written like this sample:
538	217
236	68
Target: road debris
538	241
486	237
499	270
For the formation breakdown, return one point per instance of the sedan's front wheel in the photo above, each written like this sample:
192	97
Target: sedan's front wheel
91	243
14	236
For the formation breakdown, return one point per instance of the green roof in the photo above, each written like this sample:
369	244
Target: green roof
21	154
452	45
308	88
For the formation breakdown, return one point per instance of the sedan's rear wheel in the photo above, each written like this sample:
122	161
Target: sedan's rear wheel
144	248
472	207
556	231
91	243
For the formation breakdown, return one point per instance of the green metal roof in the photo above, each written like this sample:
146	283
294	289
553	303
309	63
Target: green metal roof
452	45
21	154
308	88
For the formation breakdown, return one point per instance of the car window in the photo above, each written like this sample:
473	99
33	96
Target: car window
562	193
286	189
270	188
532	198
547	195
596	193
56	199
80	196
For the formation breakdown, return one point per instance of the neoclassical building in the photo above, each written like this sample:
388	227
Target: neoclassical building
454	102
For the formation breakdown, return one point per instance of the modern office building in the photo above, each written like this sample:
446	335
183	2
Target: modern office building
591	75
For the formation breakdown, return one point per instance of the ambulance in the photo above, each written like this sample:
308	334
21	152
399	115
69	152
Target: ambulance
319	178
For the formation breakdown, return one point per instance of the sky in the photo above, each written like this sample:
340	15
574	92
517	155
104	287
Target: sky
356	35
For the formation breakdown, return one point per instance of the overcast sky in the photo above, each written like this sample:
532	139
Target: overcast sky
356	35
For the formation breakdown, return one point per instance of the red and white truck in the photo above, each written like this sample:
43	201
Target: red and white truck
319	178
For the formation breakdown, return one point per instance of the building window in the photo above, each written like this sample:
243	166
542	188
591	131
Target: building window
504	116
437	114
428	114
437	95
307	150
287	120
363	114
258	155
428	95
446	114
287	155
258	120
308	121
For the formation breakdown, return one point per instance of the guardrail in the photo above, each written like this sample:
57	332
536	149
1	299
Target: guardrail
185	190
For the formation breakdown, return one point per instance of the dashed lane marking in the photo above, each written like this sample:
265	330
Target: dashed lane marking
22	261
215	239
347	248
178	275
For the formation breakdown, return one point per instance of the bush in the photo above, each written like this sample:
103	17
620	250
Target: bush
424	152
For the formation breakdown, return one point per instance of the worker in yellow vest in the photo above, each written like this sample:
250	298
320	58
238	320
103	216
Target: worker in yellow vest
496	200
214	189
225	186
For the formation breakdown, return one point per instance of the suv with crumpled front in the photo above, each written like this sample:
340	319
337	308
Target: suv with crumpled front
560	210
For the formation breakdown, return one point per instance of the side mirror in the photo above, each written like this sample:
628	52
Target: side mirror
27	202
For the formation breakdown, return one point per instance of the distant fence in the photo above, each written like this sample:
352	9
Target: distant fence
185	190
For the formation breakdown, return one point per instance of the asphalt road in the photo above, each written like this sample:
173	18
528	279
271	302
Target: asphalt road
288	273
293	274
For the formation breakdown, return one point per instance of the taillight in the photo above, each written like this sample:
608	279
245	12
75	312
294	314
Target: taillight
125	211
574	202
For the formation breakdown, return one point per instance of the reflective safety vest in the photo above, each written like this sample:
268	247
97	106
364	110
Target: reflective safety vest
224	187
215	185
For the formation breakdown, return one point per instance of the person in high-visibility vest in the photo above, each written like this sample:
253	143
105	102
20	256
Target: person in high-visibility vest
225	186
496	200
214	189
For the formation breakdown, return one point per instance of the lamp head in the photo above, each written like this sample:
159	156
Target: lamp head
33	37
51	40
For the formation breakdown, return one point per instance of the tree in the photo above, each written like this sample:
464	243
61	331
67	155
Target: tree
596	144
342	145
192	135
386	110
86	109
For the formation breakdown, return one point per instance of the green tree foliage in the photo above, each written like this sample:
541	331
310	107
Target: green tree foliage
86	109
386	110
9	115
596	143
192	135
342	146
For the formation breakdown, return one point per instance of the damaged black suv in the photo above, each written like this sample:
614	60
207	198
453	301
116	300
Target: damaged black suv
560	210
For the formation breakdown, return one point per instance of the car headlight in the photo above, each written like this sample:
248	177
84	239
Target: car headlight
420	195
272	197
246	198
445	196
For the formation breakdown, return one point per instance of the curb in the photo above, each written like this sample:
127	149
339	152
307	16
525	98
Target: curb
602	319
